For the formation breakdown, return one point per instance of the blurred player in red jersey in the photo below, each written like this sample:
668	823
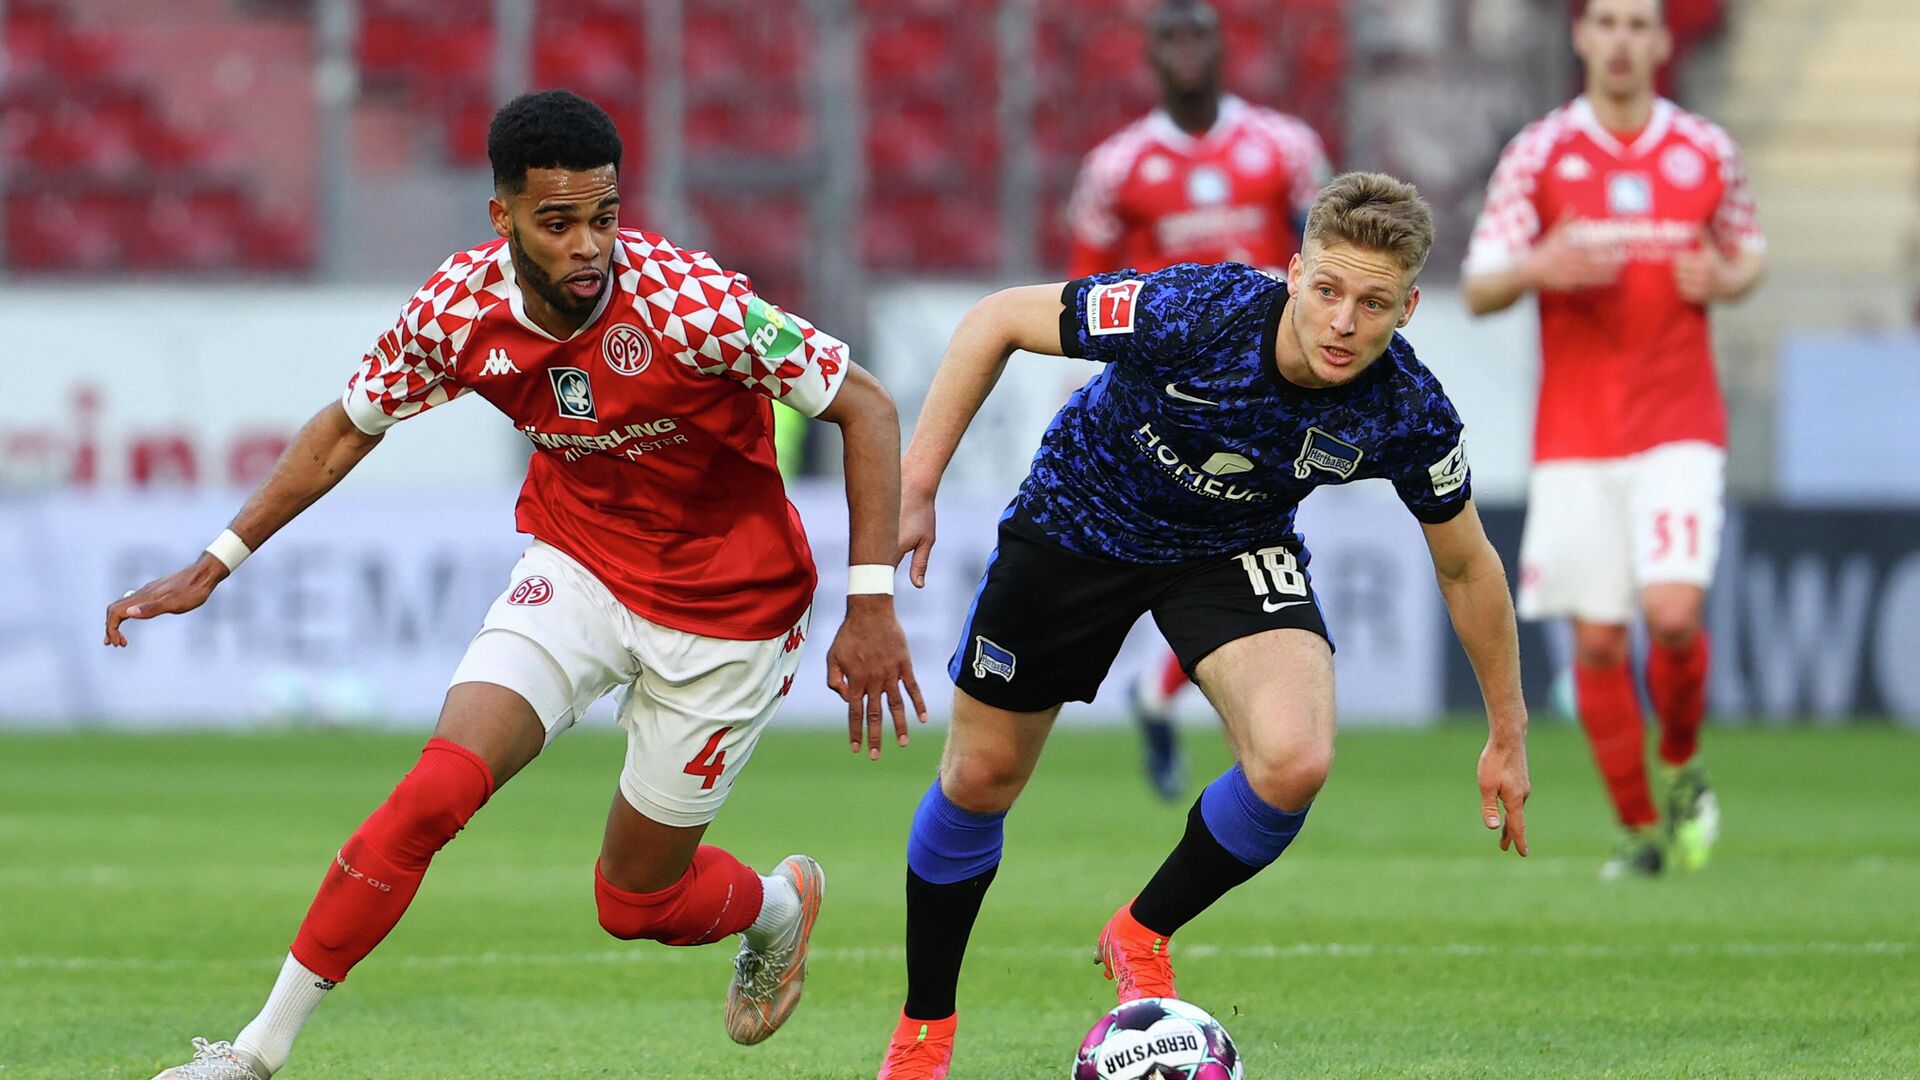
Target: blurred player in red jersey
666	563
1205	178
1628	216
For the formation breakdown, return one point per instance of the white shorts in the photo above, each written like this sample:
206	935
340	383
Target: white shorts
693	707
1600	531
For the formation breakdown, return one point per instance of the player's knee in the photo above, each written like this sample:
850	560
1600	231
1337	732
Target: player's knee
1600	648
1672	625
983	782
1289	777
434	801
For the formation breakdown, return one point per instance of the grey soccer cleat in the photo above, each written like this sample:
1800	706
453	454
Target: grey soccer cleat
767	982
1638	855
1693	817
218	1061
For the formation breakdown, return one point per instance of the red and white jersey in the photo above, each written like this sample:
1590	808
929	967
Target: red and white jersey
1152	195
652	424
1628	366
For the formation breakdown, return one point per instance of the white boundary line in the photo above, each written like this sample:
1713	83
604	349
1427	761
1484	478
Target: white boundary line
1303	951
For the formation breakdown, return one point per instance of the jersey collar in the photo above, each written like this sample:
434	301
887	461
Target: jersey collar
1232	110
516	301
1583	117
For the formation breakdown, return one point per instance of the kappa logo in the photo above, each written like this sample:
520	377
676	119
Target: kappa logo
1573	168
626	350
991	659
1449	474
1323	451
1630	194
1110	307
572	393
499	363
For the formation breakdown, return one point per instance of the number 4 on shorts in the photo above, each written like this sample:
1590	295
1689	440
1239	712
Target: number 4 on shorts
710	762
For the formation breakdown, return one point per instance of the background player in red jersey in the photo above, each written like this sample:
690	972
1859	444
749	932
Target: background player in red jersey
666	563
1205	178
1628	216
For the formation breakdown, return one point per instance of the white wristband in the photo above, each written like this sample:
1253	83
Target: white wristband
229	549
868	579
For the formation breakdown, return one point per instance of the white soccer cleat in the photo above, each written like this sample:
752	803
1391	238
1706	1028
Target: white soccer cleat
767	982
218	1061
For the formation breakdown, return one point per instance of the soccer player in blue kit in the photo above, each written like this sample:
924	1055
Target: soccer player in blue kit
1168	484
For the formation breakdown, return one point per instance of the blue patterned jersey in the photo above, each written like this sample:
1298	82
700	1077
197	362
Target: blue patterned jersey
1191	444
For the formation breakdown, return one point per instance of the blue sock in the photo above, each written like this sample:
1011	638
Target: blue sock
1231	836
1248	827
949	844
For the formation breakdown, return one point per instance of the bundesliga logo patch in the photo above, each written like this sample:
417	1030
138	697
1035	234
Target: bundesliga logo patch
1110	307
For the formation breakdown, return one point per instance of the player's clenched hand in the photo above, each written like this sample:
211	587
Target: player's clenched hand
916	532
1503	782
1560	263
178	592
1697	272
868	662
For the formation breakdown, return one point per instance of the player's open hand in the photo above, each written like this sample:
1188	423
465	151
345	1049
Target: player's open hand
869	662
1503	782
178	592
1560	262
916	532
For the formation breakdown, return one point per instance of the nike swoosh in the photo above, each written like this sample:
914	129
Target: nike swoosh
1174	393
1268	605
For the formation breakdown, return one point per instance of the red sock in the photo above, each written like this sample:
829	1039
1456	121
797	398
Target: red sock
376	873
1172	677
1610	711
717	896
1677	683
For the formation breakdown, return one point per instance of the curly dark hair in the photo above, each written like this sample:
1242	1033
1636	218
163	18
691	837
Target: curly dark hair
549	129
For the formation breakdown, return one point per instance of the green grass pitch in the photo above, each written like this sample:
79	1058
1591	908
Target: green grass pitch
150	884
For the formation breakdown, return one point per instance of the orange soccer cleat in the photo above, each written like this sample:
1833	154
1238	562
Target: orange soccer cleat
1139	961
920	1049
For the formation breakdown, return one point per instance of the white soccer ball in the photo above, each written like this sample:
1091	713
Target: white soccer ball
1157	1039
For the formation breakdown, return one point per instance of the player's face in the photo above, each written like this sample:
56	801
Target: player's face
562	227
1623	43
1185	52
1347	302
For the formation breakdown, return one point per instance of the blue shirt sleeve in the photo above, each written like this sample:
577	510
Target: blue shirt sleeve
1124	315
1431	472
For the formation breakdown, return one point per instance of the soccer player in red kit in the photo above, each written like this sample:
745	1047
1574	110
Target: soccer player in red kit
666	563
1629	216
1204	178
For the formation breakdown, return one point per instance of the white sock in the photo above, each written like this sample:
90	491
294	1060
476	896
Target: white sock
779	913
296	993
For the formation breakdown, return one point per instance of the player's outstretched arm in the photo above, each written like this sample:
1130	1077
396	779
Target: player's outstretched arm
1475	586
869	660
1025	317
324	451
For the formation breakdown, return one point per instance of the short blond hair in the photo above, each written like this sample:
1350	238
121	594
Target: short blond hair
1373	210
